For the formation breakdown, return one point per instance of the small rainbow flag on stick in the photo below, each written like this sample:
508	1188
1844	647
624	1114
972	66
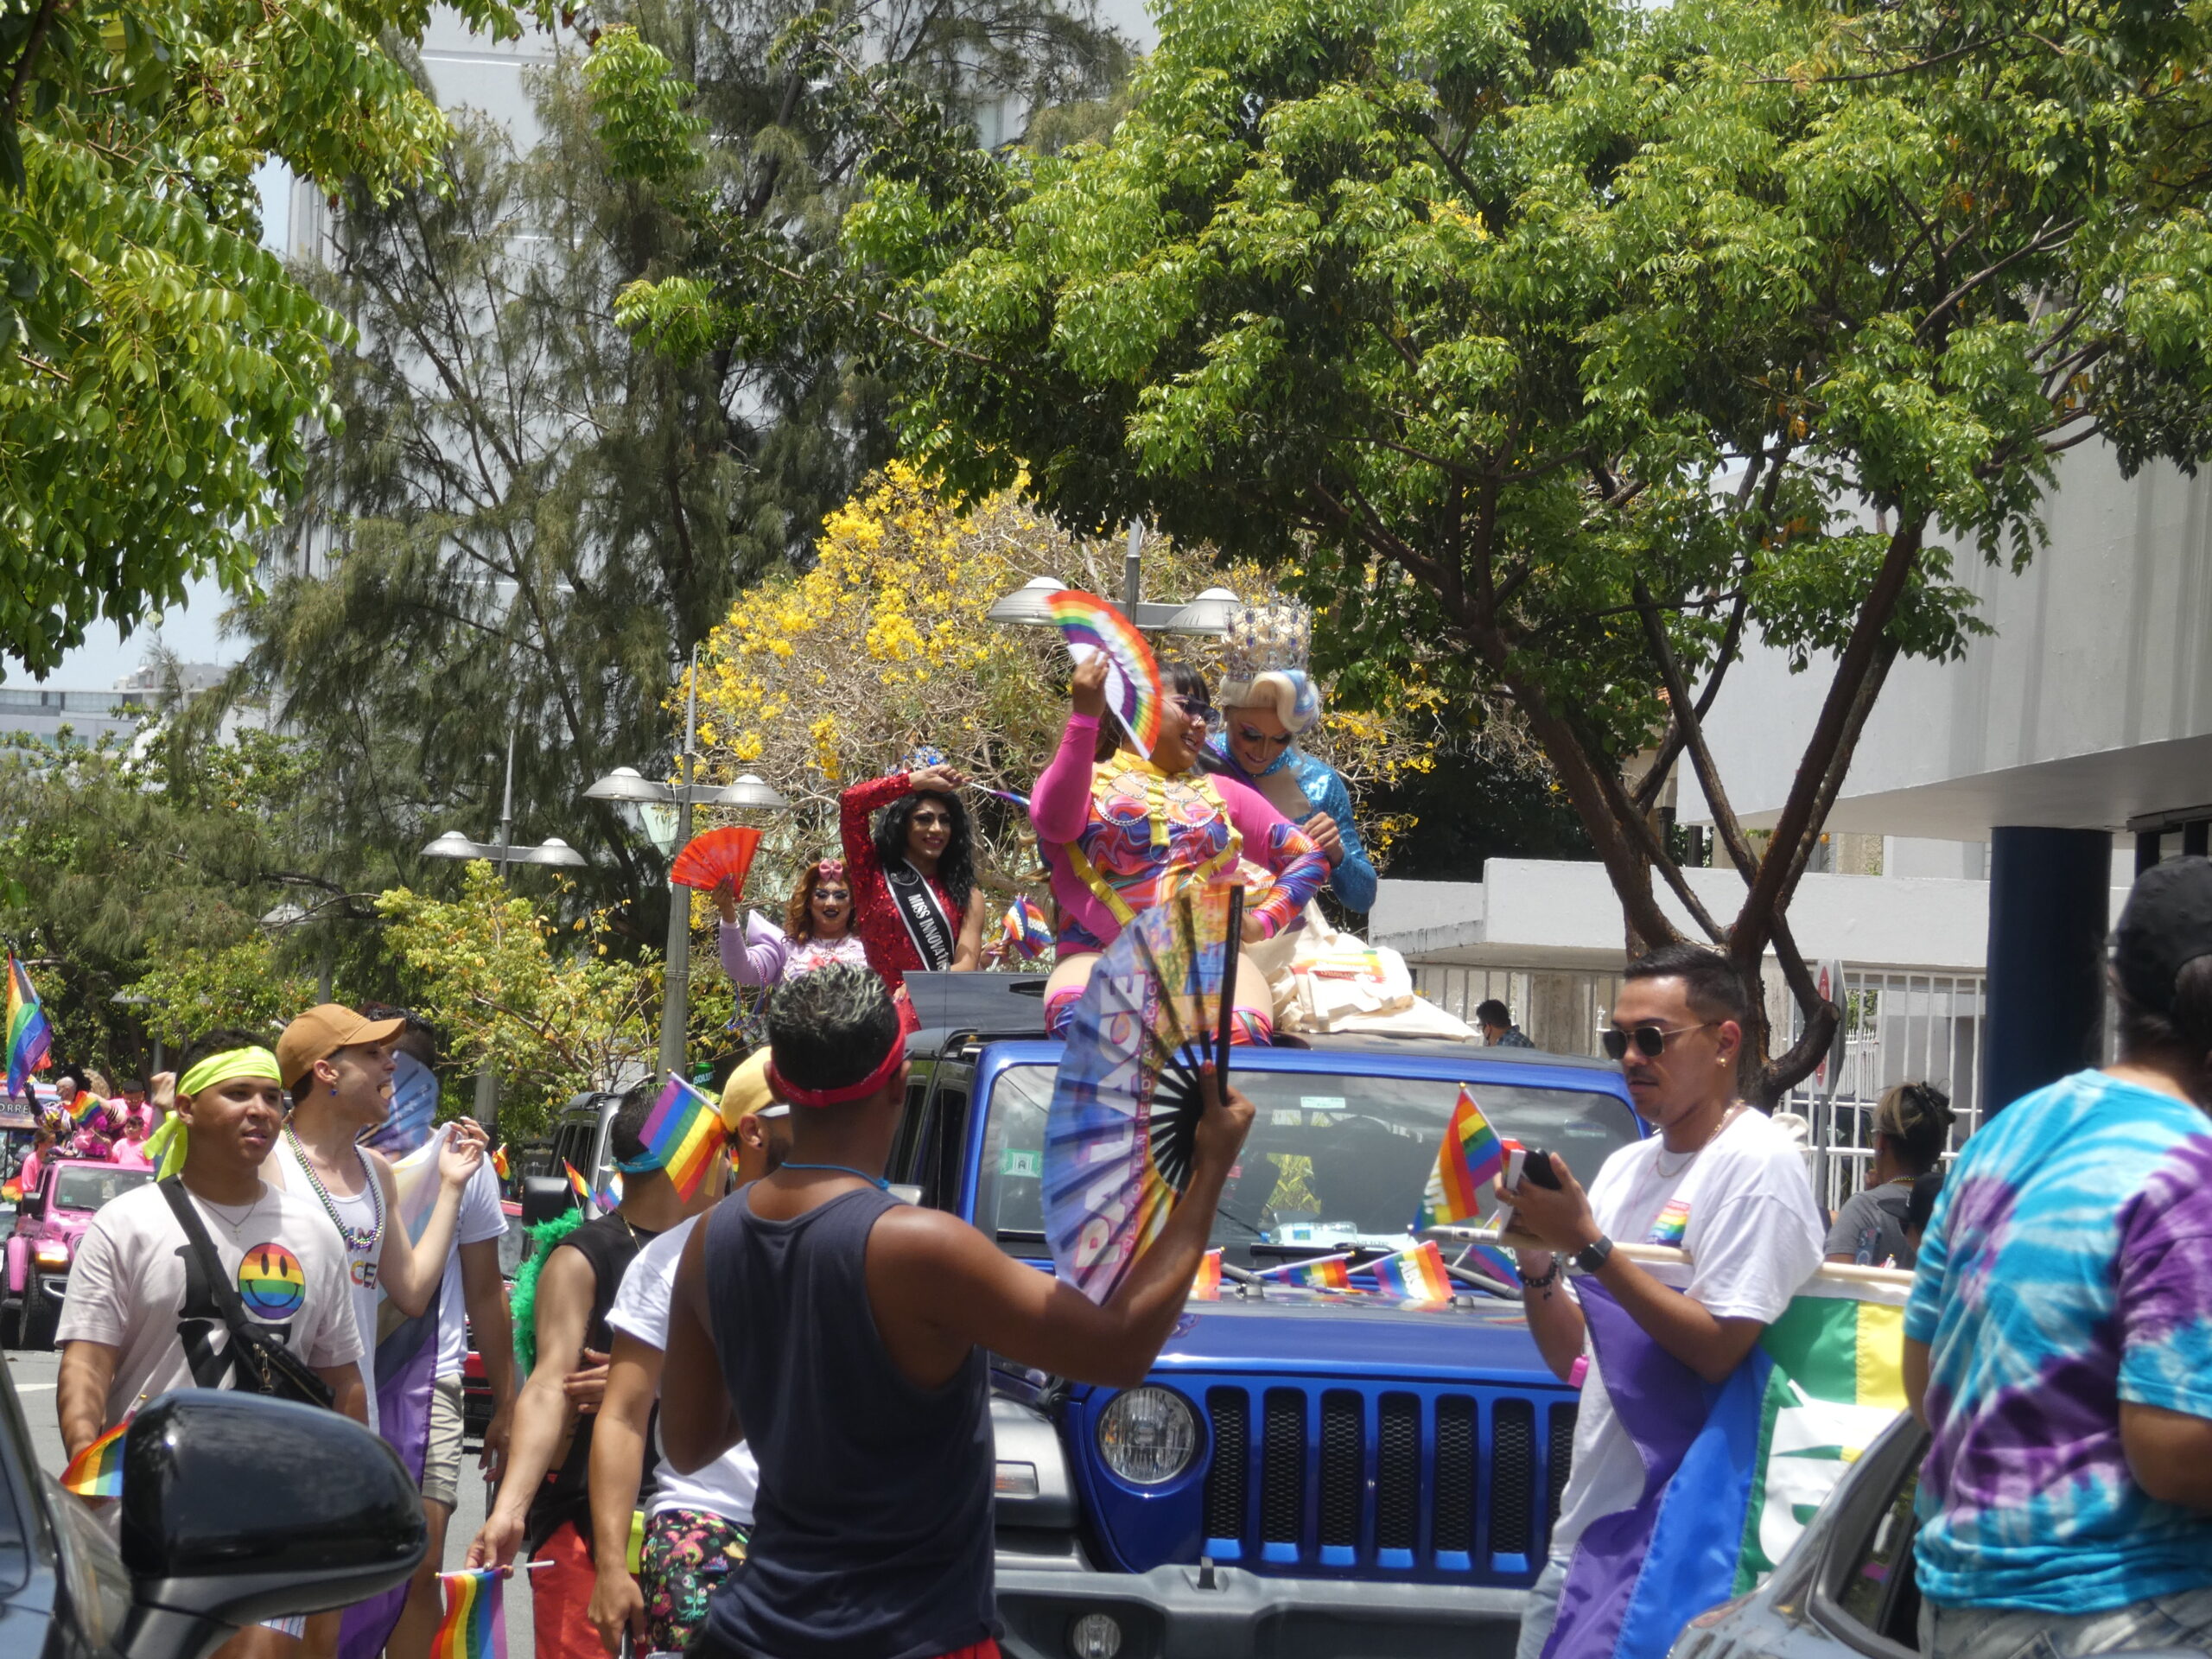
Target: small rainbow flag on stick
474	1625
1417	1275
499	1161
684	1132
1206	1288
1466	1163
577	1185
1322	1272
97	1471
30	1038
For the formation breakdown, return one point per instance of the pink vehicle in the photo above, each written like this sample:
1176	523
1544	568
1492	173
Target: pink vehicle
48	1222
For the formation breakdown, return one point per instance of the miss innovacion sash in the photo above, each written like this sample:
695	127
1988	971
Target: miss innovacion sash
923	911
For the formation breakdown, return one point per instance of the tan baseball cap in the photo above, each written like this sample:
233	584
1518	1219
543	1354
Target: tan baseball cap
746	1094
321	1032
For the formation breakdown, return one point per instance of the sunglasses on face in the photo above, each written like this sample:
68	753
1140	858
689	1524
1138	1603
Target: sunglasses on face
1194	707
1251	736
1650	1040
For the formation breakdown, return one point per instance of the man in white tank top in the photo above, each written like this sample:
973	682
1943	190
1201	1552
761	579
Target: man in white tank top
338	1067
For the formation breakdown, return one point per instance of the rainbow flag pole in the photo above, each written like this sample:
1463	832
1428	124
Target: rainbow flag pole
1466	1163
30	1036
97	1471
684	1132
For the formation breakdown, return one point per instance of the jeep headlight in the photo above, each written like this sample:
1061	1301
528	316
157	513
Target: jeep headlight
53	1253
1147	1436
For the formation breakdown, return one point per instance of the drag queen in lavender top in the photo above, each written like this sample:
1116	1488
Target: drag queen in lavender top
817	930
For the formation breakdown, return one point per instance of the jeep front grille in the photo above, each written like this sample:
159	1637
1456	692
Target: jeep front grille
1449	1483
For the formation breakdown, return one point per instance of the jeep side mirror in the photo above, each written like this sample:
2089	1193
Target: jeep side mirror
545	1196
239	1508
32	1203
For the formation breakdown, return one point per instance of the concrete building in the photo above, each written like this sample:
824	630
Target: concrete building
50	712
2074	743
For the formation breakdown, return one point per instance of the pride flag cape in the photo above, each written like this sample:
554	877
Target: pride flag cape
30	1038
1735	1469
473	1625
97	1471
1466	1163
402	1371
682	1134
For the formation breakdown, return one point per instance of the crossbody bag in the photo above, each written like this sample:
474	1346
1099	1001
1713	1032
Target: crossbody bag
259	1359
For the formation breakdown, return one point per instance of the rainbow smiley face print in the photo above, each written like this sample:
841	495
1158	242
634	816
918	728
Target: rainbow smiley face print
271	1283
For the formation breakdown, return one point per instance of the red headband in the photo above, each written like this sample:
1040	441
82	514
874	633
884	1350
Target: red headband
786	1090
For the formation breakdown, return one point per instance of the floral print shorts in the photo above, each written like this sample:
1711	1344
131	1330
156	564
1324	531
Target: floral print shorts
686	1554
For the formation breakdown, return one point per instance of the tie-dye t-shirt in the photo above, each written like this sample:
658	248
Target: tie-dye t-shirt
2067	1268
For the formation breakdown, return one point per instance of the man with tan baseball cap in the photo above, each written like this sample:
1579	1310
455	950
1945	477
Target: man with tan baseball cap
321	1032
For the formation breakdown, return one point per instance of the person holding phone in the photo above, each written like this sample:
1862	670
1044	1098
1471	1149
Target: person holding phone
1718	1181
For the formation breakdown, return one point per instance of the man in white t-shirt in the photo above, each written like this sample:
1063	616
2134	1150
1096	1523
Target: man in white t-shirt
1718	1181
697	1525
140	1318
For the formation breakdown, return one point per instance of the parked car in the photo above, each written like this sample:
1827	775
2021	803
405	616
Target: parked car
1301	1472
204	1552
49	1220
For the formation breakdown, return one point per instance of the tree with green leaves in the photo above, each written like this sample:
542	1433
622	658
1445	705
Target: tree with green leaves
1575	347
528	520
158	368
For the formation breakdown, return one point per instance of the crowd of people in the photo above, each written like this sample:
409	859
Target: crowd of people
752	1418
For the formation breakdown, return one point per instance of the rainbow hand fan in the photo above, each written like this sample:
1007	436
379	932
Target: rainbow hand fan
1119	1134
1094	628
707	859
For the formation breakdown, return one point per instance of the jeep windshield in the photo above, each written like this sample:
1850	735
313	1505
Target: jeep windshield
87	1187
1334	1160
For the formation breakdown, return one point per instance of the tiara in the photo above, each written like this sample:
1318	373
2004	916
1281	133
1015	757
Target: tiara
1267	638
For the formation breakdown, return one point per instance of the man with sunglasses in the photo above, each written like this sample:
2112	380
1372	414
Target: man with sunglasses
1717	1180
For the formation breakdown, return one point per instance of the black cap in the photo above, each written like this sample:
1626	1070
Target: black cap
2165	926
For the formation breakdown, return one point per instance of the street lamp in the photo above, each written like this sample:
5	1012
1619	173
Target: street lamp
1209	613
501	854
628	786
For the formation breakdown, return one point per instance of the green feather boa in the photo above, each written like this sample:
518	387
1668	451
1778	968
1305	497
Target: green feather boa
522	1301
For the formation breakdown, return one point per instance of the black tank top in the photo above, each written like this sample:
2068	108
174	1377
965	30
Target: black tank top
872	1531
610	1244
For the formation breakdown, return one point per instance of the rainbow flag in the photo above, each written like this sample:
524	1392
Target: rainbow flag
577	1185
474	1625
97	1471
1417	1275
499	1160
1736	1469
30	1038
1466	1163
609	1196
684	1131
1206	1288
1322	1272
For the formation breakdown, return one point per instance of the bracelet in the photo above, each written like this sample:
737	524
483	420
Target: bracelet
1550	1276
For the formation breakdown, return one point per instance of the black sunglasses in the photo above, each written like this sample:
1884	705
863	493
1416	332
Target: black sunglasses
1650	1040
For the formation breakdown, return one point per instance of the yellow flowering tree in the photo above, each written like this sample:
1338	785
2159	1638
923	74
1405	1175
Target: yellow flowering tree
818	679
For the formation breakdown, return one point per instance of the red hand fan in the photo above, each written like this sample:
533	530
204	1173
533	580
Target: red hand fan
707	859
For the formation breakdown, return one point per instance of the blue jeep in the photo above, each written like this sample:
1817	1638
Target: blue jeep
1304	1474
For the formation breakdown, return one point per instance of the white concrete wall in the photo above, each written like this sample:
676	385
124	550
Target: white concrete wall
2091	704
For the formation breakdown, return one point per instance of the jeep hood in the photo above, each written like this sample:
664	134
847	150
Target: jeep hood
1354	1334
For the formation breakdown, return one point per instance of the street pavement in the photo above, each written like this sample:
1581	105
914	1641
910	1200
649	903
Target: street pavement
34	1374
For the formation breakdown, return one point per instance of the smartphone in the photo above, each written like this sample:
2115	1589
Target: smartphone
1537	1167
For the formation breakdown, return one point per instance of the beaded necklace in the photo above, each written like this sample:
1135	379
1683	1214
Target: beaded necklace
359	1240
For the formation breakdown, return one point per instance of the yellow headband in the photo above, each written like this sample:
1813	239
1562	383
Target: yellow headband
165	1146
231	1063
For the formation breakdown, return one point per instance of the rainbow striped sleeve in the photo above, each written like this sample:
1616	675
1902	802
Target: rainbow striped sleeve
97	1471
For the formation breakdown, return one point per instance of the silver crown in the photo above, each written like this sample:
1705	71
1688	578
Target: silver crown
1265	638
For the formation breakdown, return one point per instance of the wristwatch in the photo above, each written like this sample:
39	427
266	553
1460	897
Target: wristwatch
1592	1257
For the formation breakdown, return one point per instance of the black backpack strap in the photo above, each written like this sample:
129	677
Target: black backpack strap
225	1294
